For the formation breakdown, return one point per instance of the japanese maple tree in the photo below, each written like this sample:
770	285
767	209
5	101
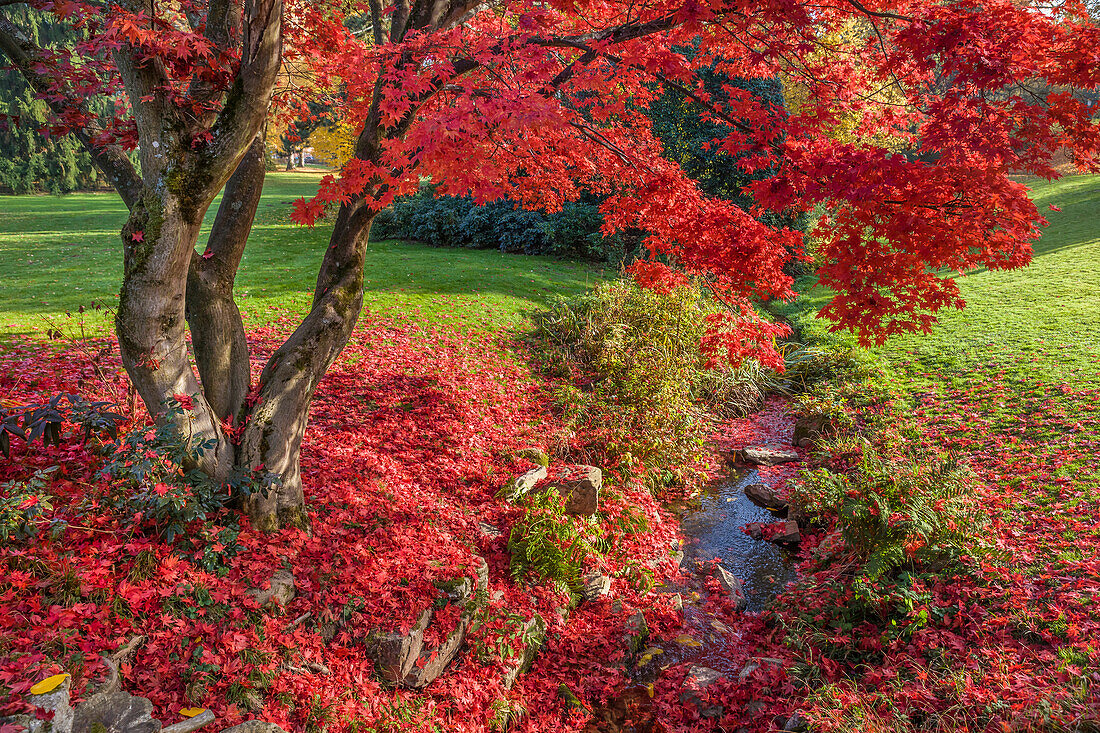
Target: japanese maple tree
539	101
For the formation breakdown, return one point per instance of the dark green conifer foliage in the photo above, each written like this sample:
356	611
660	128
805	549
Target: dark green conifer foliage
32	161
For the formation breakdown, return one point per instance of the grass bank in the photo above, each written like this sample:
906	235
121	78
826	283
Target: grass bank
1011	386
60	253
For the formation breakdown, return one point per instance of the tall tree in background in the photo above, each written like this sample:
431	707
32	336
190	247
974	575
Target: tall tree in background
537	102
309	117
31	159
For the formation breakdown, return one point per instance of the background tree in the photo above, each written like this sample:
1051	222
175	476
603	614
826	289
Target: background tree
311	116
539	102
31	159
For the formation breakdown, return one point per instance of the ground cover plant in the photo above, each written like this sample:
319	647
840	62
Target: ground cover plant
438	88
414	433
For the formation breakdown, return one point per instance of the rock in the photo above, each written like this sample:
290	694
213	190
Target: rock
532	638
523	484
764	496
254	726
699	676
755	530
431	662
595	585
678	558
731	585
489	530
115	712
55	700
770	455
637	632
280	590
695	684
810	428
192	724
572	702
460	591
535	455
794	724
395	653
676	601
580	485
789	535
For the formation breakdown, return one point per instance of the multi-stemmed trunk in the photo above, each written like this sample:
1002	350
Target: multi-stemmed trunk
169	286
190	153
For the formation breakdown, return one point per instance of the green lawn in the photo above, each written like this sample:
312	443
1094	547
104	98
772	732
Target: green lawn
60	253
1039	322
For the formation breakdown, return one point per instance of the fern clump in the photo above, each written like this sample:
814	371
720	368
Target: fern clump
552	545
896	514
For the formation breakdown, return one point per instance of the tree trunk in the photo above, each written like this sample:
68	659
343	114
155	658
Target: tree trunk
273	435
158	240
217	332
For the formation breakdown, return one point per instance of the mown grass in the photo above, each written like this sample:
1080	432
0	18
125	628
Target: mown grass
60	253
1011	386
1040	322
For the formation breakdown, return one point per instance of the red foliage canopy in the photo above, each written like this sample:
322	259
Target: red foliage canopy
538	101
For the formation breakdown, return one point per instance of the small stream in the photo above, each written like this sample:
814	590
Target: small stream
712	526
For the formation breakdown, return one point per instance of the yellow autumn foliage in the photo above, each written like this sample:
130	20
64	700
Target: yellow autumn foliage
333	145
848	128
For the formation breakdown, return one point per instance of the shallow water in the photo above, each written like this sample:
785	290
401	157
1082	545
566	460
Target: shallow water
712	526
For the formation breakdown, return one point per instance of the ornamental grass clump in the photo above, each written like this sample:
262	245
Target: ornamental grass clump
631	367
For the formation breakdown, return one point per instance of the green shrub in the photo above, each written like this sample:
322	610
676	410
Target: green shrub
550	544
633	365
24	504
807	366
825	406
895	514
158	485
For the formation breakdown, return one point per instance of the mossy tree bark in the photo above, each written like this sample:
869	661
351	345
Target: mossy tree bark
188	156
